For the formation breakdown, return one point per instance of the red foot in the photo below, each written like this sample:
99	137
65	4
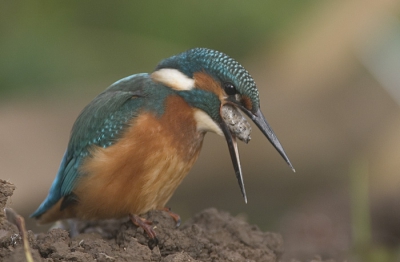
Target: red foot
175	216
146	225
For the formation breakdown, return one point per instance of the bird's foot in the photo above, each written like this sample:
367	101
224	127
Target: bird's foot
147	227
175	216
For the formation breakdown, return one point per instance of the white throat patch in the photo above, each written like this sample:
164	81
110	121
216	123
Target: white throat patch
205	123
173	78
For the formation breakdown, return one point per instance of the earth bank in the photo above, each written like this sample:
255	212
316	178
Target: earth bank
211	235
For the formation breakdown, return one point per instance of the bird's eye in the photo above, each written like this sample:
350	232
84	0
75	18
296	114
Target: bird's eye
230	89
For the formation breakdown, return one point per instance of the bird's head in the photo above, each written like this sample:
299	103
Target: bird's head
217	86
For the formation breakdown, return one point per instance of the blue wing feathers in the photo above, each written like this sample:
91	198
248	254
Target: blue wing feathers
69	176
100	123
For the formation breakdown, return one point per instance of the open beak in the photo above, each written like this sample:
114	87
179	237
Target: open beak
259	119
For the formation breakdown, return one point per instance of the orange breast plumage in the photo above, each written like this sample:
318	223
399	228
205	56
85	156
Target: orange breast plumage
141	171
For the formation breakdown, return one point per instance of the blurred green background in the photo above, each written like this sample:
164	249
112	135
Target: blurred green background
328	75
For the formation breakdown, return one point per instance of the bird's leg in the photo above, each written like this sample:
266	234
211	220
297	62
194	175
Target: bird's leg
147	227
175	216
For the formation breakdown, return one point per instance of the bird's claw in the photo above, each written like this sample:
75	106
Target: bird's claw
175	216
147	227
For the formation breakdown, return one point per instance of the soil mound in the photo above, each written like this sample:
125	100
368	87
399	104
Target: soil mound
211	235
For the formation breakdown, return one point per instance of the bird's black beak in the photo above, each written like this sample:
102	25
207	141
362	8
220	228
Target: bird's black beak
234	152
259	119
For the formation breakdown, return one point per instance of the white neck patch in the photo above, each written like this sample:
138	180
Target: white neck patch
173	78
204	123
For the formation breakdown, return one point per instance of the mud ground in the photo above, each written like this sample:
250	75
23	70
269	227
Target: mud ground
211	235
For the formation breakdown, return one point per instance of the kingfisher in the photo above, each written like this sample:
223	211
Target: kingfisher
133	144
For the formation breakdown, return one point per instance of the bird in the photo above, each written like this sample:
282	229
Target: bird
134	143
